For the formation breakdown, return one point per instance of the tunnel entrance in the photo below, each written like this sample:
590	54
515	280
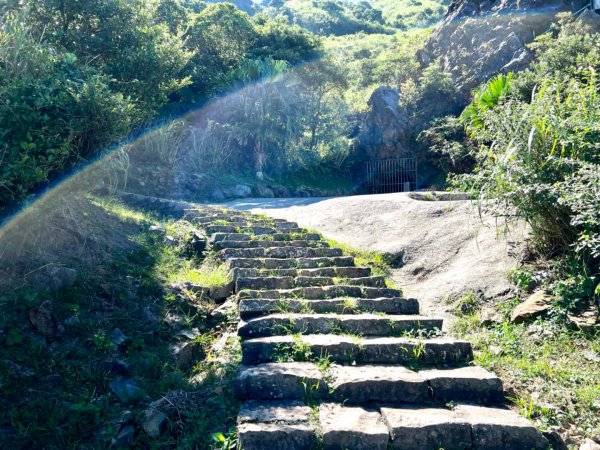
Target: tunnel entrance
391	175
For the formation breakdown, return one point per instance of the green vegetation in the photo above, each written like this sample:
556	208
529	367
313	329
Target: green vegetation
407	14
340	18
328	17
76	77
63	383
551	371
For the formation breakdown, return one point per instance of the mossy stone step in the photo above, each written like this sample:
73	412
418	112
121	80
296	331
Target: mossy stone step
279	252
439	352
353	324
205	220
274	282
290	263
267	243
251	308
252	230
218	237
322	292
340	272
359	385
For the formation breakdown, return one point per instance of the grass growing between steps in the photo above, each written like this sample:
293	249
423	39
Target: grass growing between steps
550	372
377	261
56	392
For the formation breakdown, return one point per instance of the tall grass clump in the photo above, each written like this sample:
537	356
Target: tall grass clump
538	159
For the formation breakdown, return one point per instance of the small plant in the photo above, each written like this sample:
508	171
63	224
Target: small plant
227	441
101	342
466	304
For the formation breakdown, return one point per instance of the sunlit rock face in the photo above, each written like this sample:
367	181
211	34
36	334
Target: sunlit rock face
479	38
384	128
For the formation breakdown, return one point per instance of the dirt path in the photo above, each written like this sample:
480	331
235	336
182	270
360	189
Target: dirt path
447	249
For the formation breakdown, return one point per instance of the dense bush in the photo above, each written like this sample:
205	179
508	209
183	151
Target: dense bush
54	111
539	156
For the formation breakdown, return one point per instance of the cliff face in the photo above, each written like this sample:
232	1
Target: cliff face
479	38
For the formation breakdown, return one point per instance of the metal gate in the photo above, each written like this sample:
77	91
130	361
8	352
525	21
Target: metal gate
391	175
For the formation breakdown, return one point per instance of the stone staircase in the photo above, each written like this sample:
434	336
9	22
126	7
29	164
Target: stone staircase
334	359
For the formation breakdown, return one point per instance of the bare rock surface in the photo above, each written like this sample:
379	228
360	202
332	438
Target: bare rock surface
444	248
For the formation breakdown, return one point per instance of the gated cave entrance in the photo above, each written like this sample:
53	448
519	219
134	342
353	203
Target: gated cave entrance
391	175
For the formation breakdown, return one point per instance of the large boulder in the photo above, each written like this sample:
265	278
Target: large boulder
384	129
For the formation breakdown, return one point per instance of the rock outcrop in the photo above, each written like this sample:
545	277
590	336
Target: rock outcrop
479	38
384	128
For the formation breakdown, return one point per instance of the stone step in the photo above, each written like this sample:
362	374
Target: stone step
276	426
322	292
439	352
340	272
208	219
218	237
292	425
329	281
285	225
358	385
267	243
463	427
290	263
265	283
351	428
274	282
354	324
280	252
253	230
258	231
250	308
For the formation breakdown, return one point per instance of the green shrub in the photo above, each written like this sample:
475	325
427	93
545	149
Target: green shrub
539	160
54	112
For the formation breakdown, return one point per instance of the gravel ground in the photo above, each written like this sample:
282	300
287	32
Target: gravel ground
446	247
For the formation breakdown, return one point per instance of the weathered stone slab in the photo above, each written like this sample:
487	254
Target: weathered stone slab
297	263
313	281
265	244
279	252
322	292
276	411
367	281
500	429
346	428
273	436
277	425
387	384
465	383
265	283
280	381
359	324
219	237
417	428
250	308
347	350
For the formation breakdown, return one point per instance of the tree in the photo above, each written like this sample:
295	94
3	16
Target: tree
220	37
126	39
